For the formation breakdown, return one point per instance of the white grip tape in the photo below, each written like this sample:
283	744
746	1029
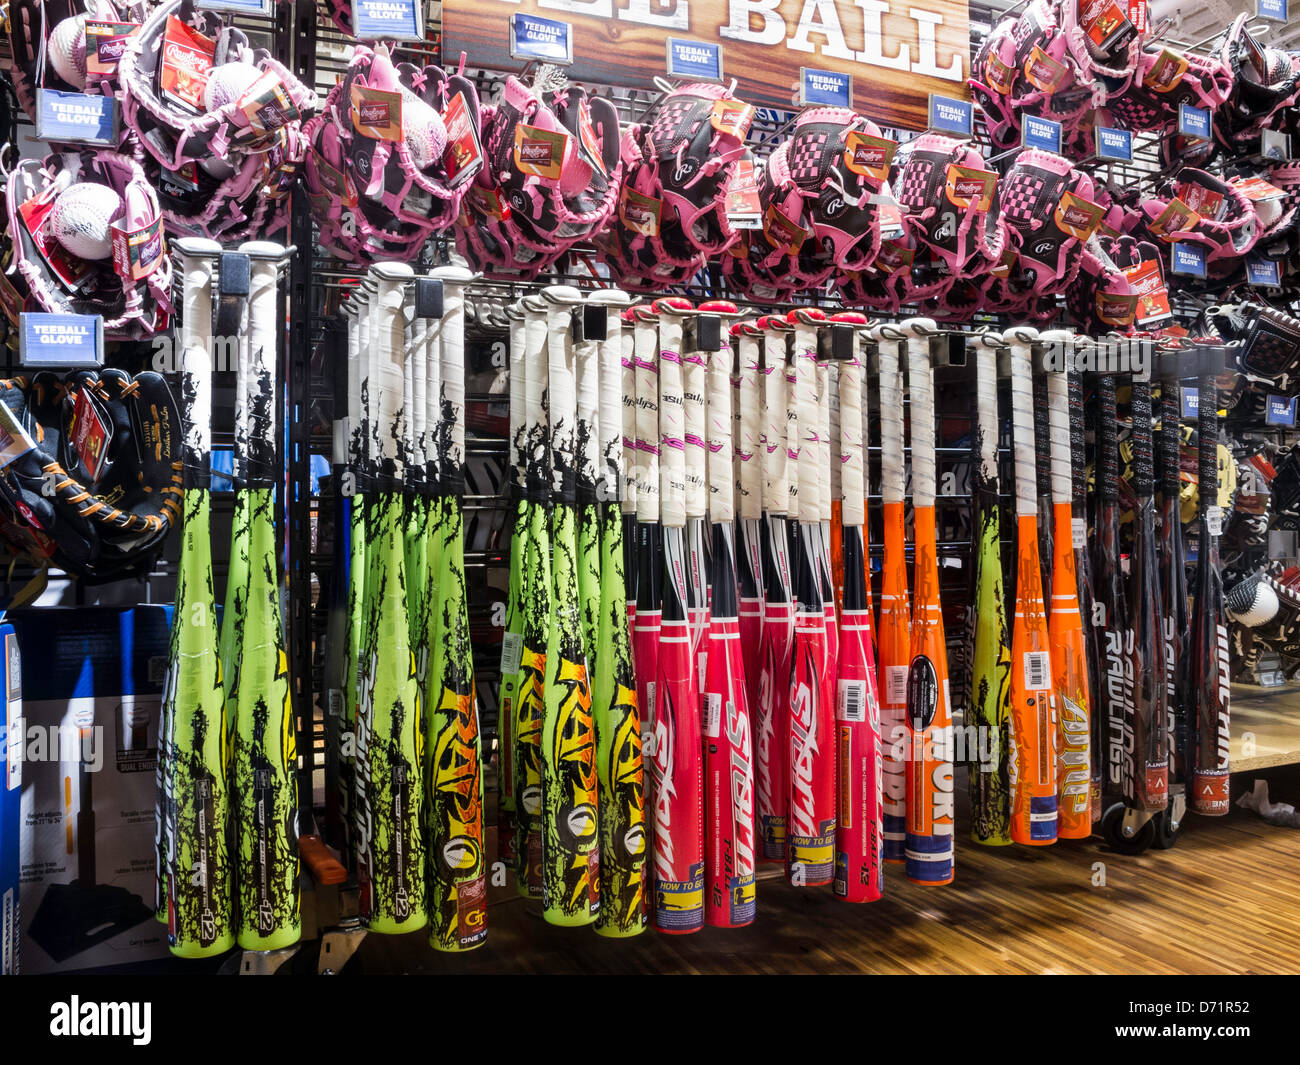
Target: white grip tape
433	390
738	486
537	373
453	367
672	426
1022	427
561	395
353	425
518	402
408	385
825	482
585	355
373	448
645	341
391	373
986	407
852	493
776	493
263	294
835	465
1058	413
893	482
629	459
417	412
722	507
751	431
609	360
694	407
196	342
792	439
805	369
920	383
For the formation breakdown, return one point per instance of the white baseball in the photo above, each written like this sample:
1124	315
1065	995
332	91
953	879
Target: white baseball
227	83
80	219
423	130
67	50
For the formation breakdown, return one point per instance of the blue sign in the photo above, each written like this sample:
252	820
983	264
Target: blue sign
1280	411
1041	133
61	339
1194	121
1114	144
1271	9
243	7
696	60
1265	272
76	116
825	88
1191	402
387	20
951	116
1188	260
534	37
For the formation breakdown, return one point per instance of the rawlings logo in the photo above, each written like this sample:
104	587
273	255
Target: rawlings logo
1077	216
834	206
536	153
868	155
969	188
373	113
685	170
1043	247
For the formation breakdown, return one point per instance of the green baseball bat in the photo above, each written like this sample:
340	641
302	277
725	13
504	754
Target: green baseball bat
198	871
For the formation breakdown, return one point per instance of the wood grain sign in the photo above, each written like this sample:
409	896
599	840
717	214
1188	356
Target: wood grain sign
897	51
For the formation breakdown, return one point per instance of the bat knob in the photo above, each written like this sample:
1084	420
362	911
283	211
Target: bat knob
609	297
1021	334
988	339
456	275
672	305
919	327
806	316
561	294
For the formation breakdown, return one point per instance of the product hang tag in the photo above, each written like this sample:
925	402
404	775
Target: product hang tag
1167	72
1105	24
92	433
334	180
1115	309
463	158
137	253
268	107
1206	202
1005	264
488	202
71	271
540	152
1043	72
1175	218
869	156
639	213
1256	189
732	116
105	43
186	62
1077	216
1001	76
1152	296
588	145
891	214
744	211
894	257
377	113
966	186
783	232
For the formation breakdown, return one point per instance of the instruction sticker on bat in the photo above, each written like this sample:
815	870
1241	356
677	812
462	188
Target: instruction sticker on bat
512	651
853	700
896	684
713	715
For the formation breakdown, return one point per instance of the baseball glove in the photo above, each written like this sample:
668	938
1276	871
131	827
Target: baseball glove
99	489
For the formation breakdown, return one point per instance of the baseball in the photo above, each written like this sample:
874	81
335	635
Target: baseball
423	130
67	48
227	83
80	219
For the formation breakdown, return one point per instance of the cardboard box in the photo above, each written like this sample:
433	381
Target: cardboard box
11	783
87	845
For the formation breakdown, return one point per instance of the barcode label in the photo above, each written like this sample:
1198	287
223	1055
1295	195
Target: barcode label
1038	670
512	651
1214	520
335	703
896	685
853	700
712	715
1079	533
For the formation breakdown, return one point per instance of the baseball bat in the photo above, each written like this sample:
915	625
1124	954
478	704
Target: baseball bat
455	884
1043	472
894	633
536	596
1148	756
512	637
772	706
859	869
988	708
810	850
1110	616
1065	624
1083	570
729	863
748	444
390	844
630	459
676	740
619	762
1032	757
1173	574
570	817
1210	758
266	755
694	377
929	847
196	868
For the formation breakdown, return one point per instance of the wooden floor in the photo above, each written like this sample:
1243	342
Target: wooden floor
1265	726
1226	899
